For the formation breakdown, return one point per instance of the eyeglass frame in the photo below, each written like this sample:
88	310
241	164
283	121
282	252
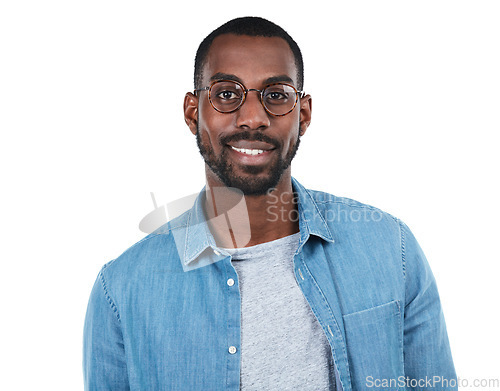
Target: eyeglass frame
298	94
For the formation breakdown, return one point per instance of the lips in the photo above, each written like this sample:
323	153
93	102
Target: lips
252	153
249	151
251	145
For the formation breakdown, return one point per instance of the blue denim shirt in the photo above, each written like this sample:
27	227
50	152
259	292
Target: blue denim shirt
163	317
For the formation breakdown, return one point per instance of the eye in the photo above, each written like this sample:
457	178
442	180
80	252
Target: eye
227	94
226	91
274	95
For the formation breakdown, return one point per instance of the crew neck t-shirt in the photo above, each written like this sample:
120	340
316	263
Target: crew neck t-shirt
283	346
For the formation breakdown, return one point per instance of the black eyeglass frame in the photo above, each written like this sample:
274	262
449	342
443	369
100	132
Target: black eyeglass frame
298	94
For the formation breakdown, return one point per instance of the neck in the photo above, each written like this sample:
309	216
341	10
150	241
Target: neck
238	220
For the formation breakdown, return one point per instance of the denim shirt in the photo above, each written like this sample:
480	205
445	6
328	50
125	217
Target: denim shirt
162	316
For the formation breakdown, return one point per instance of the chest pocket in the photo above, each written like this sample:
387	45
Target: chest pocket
374	339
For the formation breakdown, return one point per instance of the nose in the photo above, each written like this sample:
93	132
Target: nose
251	114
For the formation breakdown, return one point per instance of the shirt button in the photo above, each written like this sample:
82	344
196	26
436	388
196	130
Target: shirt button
232	349
216	252
230	282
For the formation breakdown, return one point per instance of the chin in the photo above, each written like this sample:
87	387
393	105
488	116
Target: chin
252	184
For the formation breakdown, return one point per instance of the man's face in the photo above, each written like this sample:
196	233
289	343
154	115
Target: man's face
225	139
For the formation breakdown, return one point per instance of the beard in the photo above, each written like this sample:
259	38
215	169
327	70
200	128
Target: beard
252	183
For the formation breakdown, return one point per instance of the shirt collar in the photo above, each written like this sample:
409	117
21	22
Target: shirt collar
311	221
196	245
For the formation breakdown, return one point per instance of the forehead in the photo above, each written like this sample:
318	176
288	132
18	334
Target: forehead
251	59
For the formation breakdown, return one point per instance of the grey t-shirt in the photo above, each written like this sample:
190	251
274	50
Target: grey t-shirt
283	346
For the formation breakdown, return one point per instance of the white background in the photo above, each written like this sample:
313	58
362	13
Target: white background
405	117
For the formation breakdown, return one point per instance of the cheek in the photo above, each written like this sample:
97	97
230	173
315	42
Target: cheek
212	122
290	131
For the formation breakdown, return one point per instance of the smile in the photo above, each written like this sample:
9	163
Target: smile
248	151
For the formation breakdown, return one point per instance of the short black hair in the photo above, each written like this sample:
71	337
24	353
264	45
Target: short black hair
254	27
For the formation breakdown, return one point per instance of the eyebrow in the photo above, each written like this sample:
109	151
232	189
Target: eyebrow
225	76
270	80
279	79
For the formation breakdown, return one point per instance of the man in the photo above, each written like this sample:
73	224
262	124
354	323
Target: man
263	284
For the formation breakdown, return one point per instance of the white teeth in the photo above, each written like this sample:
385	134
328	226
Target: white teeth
248	151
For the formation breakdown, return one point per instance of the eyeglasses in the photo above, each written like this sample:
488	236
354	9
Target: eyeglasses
227	96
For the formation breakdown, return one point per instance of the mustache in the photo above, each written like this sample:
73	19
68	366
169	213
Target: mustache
250	136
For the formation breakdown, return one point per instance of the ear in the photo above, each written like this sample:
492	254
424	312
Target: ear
305	113
191	111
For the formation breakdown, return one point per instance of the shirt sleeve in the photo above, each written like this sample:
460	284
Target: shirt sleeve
104	364
427	355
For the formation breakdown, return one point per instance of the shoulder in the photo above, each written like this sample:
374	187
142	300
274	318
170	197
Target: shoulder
365	236
359	228
155	249
346	210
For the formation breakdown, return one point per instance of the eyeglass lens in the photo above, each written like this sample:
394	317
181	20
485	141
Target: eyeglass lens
227	96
